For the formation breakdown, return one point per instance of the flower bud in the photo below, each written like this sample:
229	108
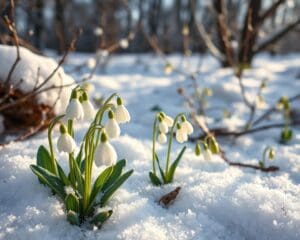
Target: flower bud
271	154
197	149
213	145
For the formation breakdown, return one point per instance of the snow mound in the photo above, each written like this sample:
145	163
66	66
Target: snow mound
33	69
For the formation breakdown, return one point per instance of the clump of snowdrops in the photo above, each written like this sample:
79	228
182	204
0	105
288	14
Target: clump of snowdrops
161	126
85	199
208	147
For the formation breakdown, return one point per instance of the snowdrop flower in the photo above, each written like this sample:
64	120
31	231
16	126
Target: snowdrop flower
65	142
112	127
88	109
187	126
162	126
181	135
74	109
124	43
105	154
121	114
207	153
167	119
162	138
69	190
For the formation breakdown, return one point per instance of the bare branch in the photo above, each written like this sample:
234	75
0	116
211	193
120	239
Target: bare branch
275	37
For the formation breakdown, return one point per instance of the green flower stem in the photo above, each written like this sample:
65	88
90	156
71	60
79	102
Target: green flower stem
50	129
170	142
71	155
154	131
99	120
89	154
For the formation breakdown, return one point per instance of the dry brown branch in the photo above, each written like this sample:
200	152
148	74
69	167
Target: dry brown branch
10	24
247	165
275	37
270	11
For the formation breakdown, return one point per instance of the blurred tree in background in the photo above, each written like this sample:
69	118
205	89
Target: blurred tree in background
221	26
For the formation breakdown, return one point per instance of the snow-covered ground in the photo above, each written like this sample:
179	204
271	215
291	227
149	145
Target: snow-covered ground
216	201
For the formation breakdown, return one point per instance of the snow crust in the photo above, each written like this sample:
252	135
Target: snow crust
34	69
216	201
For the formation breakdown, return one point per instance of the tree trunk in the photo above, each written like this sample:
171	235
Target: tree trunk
59	24
249	33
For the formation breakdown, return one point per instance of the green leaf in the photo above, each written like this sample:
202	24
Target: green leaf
174	165
154	179
73	218
101	179
49	179
79	156
109	192
101	217
77	175
160	169
44	159
117	171
82	165
63	177
286	135
72	203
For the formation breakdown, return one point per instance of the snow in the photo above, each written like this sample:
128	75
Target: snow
33	69
216	201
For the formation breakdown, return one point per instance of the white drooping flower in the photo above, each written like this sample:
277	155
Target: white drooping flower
207	153
65	142
162	138
181	134
124	43
187	126
88	108
74	109
112	127
105	154
167	119
121	114
162	126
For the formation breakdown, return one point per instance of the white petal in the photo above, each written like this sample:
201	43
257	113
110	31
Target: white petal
169	121
207	155
162	138
66	143
112	128
88	110
105	154
188	127
74	110
163	127
181	135
121	114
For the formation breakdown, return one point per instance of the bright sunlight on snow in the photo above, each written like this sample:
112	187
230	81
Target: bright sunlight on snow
216	201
